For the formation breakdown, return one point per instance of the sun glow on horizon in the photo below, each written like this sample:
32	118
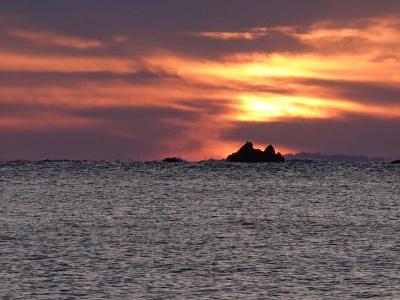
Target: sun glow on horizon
255	108
273	107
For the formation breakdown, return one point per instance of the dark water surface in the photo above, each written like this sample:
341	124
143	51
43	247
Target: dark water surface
212	230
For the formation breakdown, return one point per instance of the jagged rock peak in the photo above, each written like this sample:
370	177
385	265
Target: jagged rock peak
270	150
247	146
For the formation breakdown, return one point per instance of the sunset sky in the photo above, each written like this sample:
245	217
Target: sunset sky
100	79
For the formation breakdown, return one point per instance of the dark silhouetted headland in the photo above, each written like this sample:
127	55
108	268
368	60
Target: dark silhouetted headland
247	153
396	162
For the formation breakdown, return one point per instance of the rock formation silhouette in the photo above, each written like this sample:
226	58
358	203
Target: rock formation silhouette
247	153
396	162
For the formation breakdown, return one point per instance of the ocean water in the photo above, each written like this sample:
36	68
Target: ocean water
208	230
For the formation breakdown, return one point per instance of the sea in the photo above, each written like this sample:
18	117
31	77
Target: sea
205	230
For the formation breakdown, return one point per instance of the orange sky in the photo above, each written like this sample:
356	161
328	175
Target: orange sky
85	89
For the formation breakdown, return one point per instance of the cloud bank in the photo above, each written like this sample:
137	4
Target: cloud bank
144	80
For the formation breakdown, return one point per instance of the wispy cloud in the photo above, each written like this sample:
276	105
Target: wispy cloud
252	34
51	62
55	39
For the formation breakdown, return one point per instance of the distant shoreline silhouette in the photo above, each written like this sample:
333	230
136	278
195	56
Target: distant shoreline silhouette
337	157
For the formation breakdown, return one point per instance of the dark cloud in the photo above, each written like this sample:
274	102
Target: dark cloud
209	106
364	92
215	48
352	135
21	108
143	141
74	144
156	24
8	78
142	133
186	110
175	15
138	114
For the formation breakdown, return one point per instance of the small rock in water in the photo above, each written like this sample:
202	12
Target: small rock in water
173	160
